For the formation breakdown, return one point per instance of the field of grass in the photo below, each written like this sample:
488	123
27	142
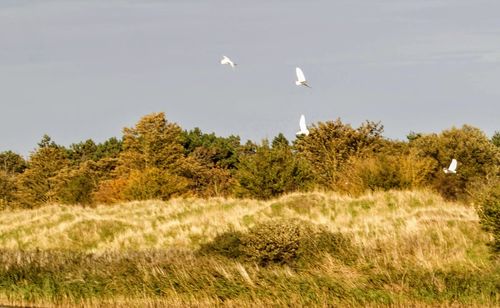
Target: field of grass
412	248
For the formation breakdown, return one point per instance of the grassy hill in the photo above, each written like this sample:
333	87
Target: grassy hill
410	247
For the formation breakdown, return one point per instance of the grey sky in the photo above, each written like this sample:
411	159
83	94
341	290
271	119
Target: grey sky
85	69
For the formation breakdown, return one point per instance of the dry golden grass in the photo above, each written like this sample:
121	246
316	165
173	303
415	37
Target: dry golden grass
404	239
408	224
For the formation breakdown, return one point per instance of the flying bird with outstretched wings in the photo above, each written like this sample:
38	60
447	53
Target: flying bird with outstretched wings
301	79
226	60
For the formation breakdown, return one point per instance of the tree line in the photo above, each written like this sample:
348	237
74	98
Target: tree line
157	159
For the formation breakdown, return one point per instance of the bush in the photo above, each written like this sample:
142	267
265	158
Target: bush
290	242
227	244
488	202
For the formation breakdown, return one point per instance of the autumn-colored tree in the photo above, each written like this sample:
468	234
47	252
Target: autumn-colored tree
11	164
36	185
331	144
151	161
385	171
7	189
110	191
153	142
154	183
157	159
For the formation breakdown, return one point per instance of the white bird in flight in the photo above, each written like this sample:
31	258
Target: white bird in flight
452	168
303	127
226	60
301	79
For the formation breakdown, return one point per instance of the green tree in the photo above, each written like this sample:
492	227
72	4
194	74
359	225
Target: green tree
11	162
221	152
110	148
270	172
477	158
76	185
81	152
280	141
486	196
210	163
495	139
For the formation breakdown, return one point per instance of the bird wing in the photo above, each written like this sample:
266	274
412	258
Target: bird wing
225	60
302	123
453	165
300	75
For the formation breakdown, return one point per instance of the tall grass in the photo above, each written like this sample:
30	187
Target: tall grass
412	247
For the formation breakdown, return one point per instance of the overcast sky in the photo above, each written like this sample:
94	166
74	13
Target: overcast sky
79	69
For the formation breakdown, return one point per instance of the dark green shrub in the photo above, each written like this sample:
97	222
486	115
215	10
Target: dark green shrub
278	242
291	242
227	244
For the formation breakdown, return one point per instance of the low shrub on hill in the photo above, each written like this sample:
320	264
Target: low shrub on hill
290	242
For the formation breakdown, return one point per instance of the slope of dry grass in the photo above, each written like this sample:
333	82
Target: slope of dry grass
414	248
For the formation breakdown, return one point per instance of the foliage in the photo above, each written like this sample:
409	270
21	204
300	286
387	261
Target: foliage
8	189
385	171
153	183
219	151
330	145
477	158
270	172
152	143
210	161
157	159
206	179
76	185
11	165
36	185
495	139
292	242
110	191
287	241
487	199
11	162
